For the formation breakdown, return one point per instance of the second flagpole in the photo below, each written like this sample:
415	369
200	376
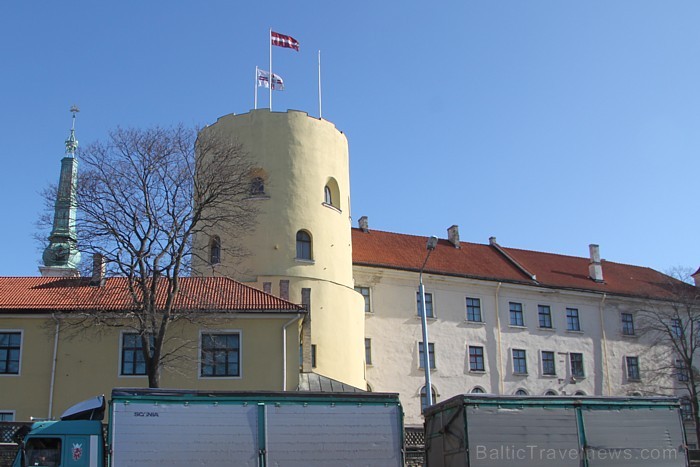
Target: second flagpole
269	40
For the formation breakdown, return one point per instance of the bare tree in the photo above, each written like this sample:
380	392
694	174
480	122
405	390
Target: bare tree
141	197
673	326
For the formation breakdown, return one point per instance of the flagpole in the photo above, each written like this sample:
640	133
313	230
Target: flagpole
320	115
270	79
255	86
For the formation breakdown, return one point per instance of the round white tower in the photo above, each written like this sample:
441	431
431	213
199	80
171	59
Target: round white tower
301	247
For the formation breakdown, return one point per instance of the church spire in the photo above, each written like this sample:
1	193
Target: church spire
61	256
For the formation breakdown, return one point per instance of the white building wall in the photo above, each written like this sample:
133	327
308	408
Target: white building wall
395	330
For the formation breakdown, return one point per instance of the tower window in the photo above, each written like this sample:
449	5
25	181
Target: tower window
331	194
327	196
303	245
215	250
257	186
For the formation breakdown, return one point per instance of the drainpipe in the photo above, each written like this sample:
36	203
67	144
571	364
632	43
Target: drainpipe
53	364
499	355
605	345
284	349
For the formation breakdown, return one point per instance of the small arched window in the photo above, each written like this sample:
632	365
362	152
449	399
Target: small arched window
550	393
423	398
478	390
304	245
521	392
331	193
257	186
579	393
215	250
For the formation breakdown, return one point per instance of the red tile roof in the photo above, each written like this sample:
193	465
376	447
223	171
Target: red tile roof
472	260
48	294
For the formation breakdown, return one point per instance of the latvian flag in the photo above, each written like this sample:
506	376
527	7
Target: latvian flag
280	40
264	80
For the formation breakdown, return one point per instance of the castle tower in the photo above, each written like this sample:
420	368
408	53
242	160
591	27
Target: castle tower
61	257
301	247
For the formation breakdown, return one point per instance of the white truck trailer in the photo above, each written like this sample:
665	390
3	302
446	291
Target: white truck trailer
186	428
478	430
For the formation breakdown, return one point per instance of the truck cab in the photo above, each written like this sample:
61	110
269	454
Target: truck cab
75	440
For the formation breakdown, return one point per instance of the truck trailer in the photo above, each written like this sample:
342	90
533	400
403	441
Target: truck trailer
478	430
185	428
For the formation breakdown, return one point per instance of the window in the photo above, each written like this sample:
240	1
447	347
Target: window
428	304
313	355
544	314
576	360
579	393
627	324
43	451
10	346
633	368
686	409
423	398
6	416
133	357
215	250
431	355
331	194
476	358
368	351
364	291
548	367
521	392
474	309
221	355
677	327
478	390
257	186
682	371
303	245
516	314
550	393
572	322
519	362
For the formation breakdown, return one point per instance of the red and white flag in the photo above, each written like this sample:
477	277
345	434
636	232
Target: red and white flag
280	40
264	80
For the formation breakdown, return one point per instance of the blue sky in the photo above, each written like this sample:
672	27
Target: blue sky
547	124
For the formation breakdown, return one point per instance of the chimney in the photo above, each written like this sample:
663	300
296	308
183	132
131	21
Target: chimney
595	268
492	241
696	277
363	223
453	235
99	266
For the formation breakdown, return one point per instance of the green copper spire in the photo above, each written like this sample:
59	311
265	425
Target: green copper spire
61	256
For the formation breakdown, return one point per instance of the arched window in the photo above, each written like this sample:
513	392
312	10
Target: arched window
521	392
478	390
423	399
257	186
215	250
579	393
303	245
550	393
331	193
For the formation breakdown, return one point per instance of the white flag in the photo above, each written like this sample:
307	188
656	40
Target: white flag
264	80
